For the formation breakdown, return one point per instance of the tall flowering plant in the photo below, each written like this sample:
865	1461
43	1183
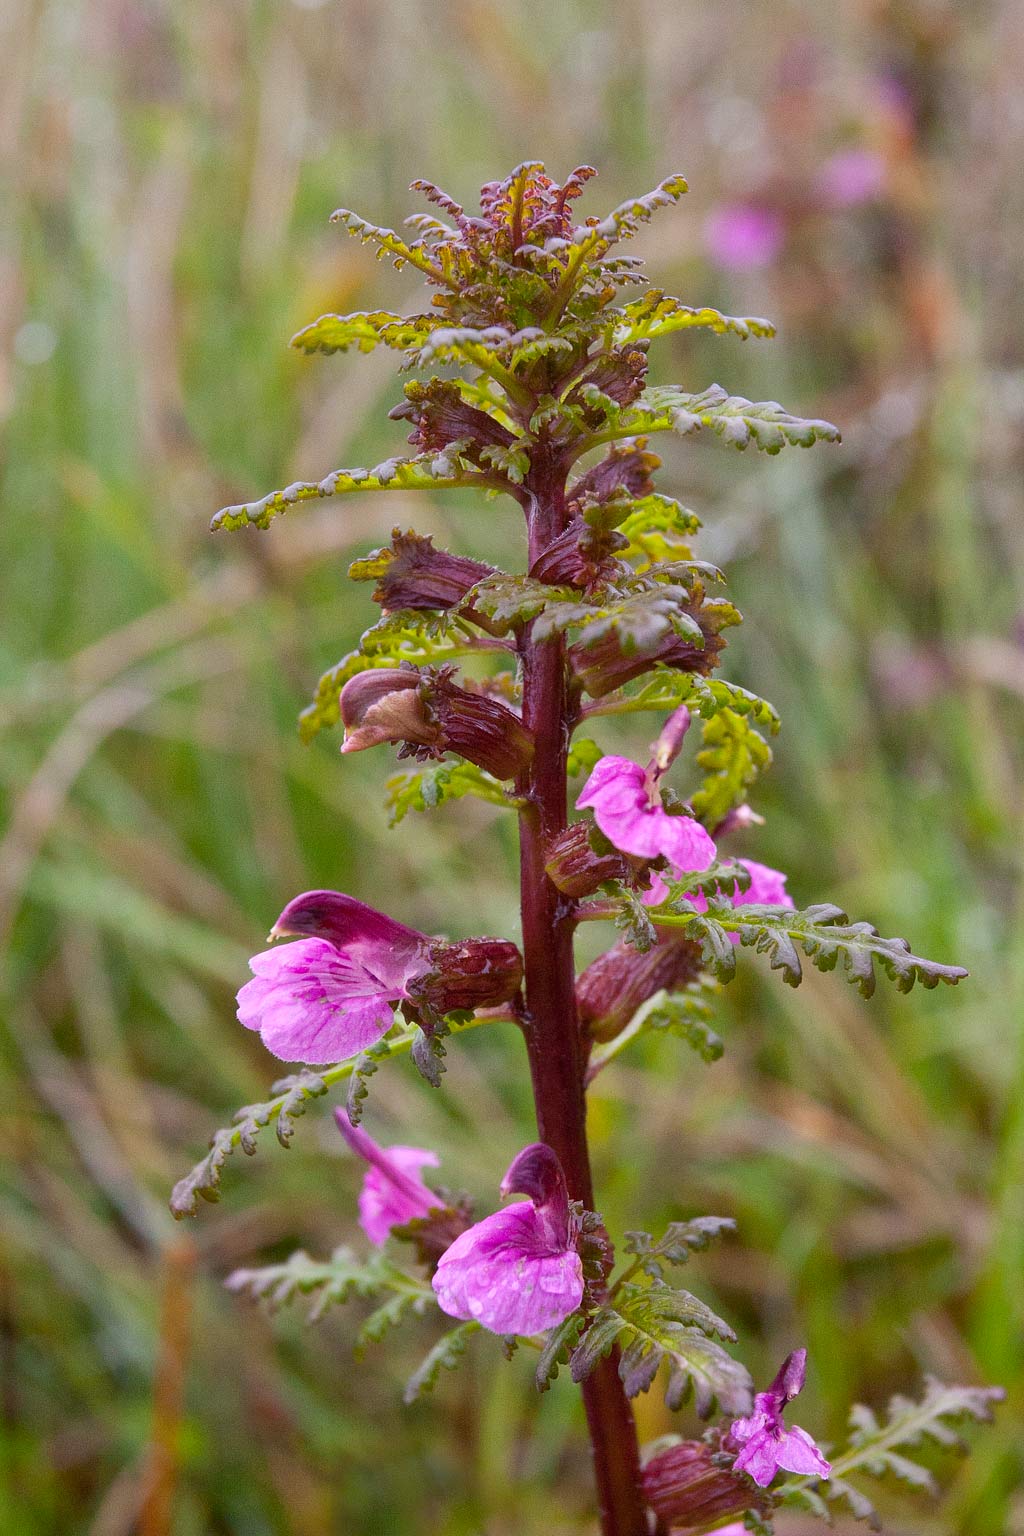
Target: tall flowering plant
541	324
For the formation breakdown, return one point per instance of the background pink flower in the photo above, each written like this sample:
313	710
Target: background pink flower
392	1192
743	235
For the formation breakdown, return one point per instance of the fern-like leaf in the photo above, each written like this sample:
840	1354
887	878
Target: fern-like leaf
444	1356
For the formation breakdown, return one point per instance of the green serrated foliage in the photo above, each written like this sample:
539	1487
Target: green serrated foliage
512	601
757	1523
363	1068
825	935
634	919
679	1240
385	1318
438	471
658	314
444	1356
658	528
558	1346
288	1101
876	1447
655	1325
424	789
733	755
686	1014
738	422
332	1281
429	1052
337	333
665	689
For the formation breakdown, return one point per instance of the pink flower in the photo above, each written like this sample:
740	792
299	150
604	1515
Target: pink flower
627	807
517	1271
766	1444
852	176
743	235
392	1193
332	994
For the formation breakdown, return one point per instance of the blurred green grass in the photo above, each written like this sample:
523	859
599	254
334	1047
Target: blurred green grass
167	174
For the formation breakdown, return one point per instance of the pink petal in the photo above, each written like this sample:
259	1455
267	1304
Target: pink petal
383	1204
390	951
767	888
502	1274
313	1004
797	1452
758	1459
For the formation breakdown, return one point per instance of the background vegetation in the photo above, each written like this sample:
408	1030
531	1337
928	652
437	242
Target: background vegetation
169	169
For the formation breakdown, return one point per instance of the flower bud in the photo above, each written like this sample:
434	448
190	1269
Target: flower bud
476	973
431	715
441	416
576	867
386	704
624	471
411	573
604	665
580	557
610	990
687	1490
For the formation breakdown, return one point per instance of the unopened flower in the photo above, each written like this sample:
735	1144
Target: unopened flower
744	235
333	992
411	573
627	807
604	664
579	869
430	715
764	1443
624	472
688	1488
617	983
517	1271
393	1192
581	557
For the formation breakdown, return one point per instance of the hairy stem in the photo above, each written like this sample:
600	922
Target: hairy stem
551	1027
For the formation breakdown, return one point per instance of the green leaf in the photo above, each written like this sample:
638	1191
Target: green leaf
511	601
363	1068
584	755
424	789
686	1014
658	314
658	528
558	1346
337	333
679	1240
388	1316
823	932
289	1100
634	918
334	1281
653	1325
388	243
444	1356
874	1447
739	422
426	472
429	1052
734	754
665	689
